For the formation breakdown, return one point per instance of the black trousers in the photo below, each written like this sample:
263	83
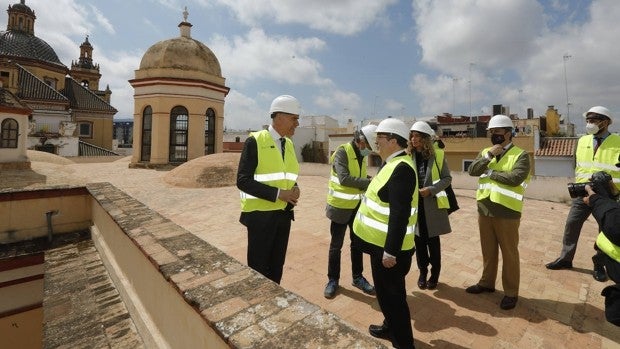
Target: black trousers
268	234
338	232
392	296
428	251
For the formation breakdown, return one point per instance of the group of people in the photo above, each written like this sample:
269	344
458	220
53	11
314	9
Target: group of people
401	210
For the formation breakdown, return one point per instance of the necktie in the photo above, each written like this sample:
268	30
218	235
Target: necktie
597	142
282	145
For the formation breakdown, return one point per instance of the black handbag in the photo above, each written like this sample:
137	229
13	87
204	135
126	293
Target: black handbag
454	205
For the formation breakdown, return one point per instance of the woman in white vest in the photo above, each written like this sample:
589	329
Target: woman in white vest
433	178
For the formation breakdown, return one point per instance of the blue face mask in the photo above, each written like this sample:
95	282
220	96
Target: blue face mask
365	152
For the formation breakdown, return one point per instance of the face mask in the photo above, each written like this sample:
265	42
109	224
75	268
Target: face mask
592	128
365	152
497	139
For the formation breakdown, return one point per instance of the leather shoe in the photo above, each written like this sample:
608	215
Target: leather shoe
559	264
431	285
599	273
508	303
476	289
379	331
422	282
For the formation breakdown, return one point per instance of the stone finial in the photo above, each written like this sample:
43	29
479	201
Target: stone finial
185	14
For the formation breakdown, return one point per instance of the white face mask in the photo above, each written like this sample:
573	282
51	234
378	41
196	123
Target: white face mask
592	128
365	152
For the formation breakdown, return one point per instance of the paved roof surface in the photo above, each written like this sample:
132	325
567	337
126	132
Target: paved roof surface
556	309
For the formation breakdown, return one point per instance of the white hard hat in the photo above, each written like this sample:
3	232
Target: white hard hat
370	133
394	126
285	104
423	127
500	121
598	110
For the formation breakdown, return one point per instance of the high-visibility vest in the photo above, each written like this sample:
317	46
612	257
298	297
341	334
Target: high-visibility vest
271	170
442	197
371	221
608	247
338	195
605	158
505	195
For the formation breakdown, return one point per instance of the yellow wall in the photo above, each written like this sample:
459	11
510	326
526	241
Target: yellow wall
26	219
162	105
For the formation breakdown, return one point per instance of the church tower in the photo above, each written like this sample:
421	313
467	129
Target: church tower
86	72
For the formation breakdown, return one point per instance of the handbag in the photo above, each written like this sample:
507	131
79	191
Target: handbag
454	205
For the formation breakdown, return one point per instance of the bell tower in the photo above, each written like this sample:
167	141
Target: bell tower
84	70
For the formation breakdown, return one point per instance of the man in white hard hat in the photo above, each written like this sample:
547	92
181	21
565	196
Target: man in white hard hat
503	171
385	223
267	179
596	151
347	183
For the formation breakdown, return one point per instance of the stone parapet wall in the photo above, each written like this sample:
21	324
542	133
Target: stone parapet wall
199	295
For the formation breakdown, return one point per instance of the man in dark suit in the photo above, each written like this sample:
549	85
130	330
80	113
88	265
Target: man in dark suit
267	178
385	224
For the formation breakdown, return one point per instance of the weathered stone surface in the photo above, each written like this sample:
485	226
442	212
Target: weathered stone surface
210	171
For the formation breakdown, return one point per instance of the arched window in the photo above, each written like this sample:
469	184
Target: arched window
210	132
147	125
8	134
178	134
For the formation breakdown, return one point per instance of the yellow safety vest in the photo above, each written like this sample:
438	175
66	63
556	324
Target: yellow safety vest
605	158
338	195
505	195
271	170
371	221
608	247
442	197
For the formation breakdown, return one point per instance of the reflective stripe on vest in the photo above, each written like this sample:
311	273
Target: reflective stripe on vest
608	247
338	195
442	197
505	195
271	170
605	158
371	221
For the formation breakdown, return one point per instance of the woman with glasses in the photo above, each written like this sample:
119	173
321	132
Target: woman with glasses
433	178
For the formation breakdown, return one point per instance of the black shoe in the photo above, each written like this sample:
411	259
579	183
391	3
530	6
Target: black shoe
379	331
476	289
508	303
422	282
598	271
559	264
363	284
330	289
431	285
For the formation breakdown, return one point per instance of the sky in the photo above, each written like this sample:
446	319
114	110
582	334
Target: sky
362	59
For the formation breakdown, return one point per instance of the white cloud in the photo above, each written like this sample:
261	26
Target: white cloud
258	56
344	17
102	20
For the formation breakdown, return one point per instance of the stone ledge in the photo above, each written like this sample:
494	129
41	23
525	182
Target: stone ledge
243	307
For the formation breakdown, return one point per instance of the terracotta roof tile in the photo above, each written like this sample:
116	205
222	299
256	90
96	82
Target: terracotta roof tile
564	146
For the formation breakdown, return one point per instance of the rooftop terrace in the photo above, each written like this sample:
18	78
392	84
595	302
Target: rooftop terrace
555	309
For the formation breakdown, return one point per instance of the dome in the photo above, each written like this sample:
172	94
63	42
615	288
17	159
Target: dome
181	53
15	43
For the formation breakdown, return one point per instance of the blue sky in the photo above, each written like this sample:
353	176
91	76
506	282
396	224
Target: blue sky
362	59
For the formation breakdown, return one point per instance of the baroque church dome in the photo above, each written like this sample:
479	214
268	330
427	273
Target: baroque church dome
19	41
182	53
181	57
